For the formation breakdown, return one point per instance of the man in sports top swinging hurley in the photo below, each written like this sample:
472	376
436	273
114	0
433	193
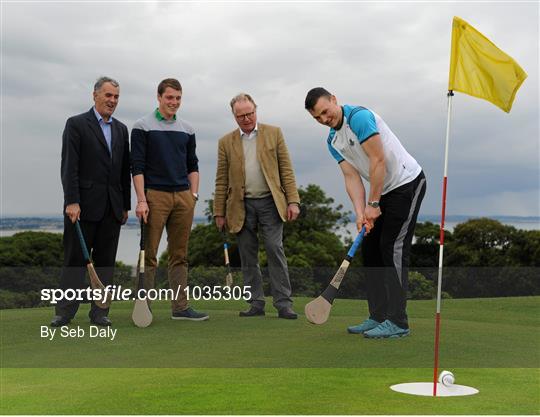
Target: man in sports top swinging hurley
365	147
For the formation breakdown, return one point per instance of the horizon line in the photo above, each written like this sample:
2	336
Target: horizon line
58	216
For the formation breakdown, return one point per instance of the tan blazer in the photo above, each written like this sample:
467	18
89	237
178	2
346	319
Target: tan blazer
276	166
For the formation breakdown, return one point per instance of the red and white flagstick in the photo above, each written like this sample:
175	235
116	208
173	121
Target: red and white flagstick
441	247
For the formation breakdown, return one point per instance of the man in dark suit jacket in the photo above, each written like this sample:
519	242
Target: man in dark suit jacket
97	191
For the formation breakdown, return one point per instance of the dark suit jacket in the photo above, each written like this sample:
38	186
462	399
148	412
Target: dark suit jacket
90	176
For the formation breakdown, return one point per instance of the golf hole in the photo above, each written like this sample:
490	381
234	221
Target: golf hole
426	389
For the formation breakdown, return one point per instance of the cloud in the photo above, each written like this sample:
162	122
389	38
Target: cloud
391	57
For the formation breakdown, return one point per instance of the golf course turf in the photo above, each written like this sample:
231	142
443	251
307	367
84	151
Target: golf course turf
265	365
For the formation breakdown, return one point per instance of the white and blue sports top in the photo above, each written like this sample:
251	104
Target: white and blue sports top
359	124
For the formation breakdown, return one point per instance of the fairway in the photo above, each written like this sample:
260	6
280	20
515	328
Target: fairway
264	365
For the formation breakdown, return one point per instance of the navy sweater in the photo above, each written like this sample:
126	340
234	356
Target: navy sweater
164	152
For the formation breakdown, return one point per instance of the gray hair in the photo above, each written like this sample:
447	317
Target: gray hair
242	97
102	80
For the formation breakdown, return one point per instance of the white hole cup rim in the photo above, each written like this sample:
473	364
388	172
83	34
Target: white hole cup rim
426	389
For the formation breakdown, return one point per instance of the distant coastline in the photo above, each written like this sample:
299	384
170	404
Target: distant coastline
50	223
129	237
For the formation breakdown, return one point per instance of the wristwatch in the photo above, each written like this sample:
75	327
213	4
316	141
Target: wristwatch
374	204
196	196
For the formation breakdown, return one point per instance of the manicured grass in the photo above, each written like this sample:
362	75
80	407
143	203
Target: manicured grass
258	391
265	365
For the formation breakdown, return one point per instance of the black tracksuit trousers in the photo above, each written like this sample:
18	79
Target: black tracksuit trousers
386	251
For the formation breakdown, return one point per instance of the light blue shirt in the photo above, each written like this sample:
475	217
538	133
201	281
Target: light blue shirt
105	128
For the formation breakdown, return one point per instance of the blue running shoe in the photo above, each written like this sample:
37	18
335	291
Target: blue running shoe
386	329
189	314
366	325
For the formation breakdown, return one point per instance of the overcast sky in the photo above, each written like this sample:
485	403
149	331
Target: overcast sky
392	57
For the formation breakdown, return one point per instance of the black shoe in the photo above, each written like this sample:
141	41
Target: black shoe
287	313
252	312
101	321
59	321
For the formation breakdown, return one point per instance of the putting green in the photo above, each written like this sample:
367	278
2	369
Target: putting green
265	365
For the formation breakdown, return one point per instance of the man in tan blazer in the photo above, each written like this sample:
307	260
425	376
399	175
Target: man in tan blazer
256	191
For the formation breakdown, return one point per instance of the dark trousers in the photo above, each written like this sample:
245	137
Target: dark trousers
386	251
102	242
262	213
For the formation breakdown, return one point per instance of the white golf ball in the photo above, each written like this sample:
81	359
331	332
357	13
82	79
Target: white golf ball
447	378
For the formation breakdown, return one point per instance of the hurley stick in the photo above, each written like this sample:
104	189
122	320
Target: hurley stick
318	310
95	282
141	316
228	278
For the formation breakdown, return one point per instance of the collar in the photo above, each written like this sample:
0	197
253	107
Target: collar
254	131
100	118
342	119
160	117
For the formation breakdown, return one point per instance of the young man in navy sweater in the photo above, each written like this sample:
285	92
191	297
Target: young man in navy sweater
166	178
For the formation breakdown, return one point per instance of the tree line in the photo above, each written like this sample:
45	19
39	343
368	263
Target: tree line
482	258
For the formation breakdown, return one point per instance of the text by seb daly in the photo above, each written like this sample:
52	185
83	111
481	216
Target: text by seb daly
93	332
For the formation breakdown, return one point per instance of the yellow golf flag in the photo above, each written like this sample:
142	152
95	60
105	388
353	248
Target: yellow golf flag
480	69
